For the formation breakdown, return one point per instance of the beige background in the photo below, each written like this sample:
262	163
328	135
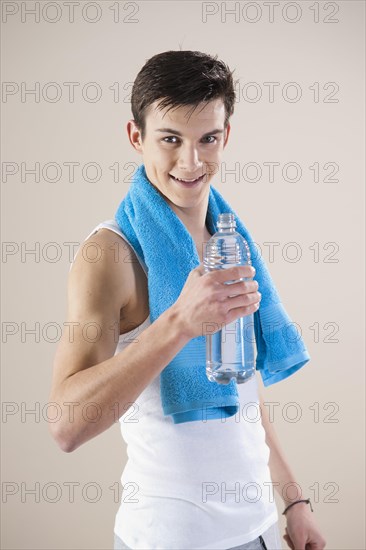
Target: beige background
326	298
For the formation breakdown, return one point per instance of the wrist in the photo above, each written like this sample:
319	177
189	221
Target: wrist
175	321
299	504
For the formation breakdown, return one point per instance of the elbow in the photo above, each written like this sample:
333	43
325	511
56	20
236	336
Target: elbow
63	438
66	445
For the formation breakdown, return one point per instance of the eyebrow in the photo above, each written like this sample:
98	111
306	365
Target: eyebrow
171	131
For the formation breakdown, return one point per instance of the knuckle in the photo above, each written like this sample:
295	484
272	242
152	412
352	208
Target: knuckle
246	300
207	280
211	278
237	272
246	286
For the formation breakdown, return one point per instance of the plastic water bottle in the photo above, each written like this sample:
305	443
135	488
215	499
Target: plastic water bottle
229	351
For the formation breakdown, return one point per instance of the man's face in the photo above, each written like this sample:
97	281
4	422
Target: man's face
178	146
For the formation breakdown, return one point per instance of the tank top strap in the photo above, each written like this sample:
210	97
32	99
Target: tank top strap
112	225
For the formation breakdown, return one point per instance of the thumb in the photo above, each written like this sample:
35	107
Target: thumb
288	540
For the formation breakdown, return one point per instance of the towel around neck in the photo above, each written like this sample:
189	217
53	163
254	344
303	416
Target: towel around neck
164	245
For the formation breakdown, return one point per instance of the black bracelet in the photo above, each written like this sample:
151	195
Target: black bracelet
307	500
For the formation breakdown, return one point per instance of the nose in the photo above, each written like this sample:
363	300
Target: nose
189	161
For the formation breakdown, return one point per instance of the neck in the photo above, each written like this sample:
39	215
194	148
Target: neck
194	219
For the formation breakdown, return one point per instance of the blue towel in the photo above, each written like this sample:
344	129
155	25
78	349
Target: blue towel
162	242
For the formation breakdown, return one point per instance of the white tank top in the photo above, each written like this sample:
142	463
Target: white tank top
195	485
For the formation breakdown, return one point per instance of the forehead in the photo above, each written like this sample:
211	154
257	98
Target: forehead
186	114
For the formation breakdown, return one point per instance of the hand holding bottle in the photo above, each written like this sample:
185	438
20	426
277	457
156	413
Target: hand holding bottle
206	299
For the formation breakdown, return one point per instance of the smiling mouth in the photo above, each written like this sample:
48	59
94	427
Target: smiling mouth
188	183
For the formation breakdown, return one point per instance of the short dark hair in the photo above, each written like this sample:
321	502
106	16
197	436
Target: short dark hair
178	78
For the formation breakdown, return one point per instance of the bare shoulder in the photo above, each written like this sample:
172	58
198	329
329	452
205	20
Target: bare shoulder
99	289
103	264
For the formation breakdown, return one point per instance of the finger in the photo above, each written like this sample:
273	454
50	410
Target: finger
235	313
242	300
299	543
241	287
288	541
233	273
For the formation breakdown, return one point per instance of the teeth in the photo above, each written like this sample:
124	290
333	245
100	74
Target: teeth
187	181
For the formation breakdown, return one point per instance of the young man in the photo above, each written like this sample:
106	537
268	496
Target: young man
181	103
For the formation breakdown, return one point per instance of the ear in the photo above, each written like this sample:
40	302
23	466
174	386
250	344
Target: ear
227	132
134	135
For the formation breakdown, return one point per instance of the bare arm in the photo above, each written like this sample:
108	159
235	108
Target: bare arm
86	372
114	384
302	533
281	473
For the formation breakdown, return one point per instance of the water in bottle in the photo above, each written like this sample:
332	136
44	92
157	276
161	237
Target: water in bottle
230	350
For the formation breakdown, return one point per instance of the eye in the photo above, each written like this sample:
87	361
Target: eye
215	139
169	137
175	137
